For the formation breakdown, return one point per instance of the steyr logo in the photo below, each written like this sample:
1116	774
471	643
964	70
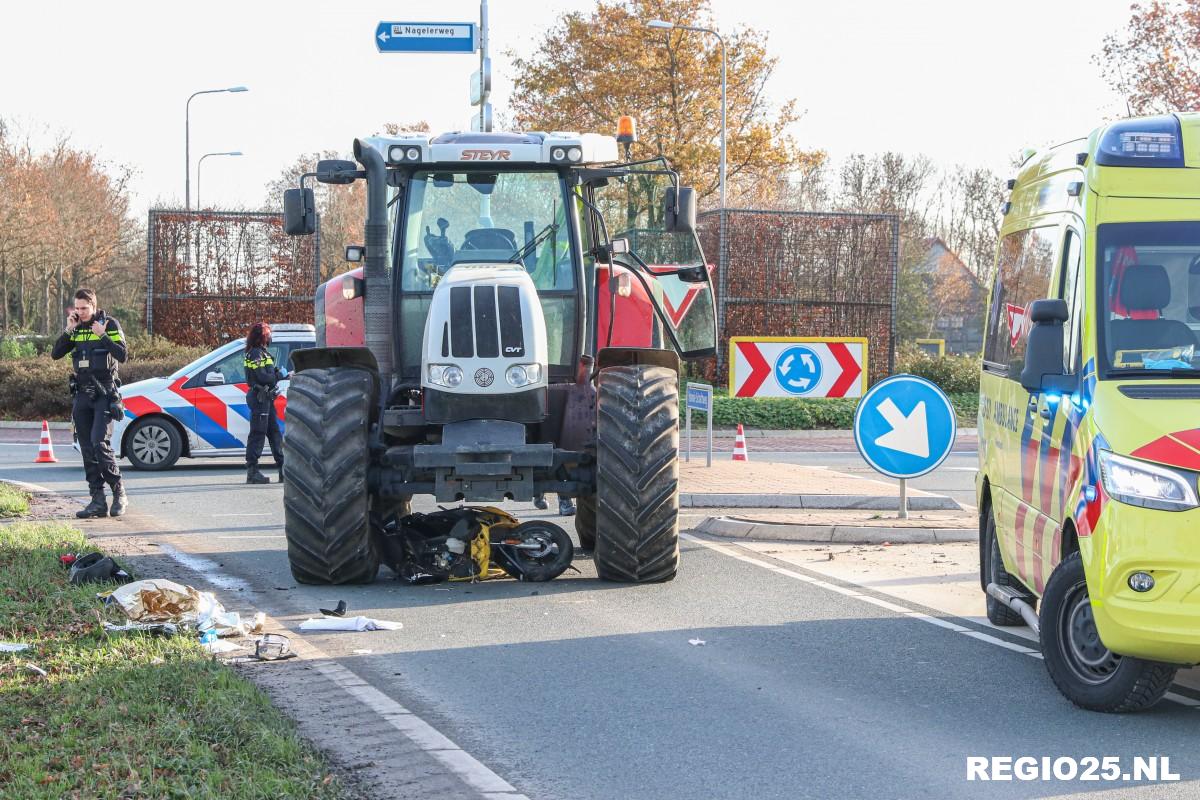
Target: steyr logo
484	376
485	155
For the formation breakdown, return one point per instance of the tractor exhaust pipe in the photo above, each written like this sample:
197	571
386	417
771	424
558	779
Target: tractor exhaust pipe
377	303
1014	601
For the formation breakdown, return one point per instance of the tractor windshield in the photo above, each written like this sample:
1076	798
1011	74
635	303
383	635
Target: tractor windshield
455	217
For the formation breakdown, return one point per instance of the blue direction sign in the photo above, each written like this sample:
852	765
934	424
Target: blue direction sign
426	37
904	426
699	396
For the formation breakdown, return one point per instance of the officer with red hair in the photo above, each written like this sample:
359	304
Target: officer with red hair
262	382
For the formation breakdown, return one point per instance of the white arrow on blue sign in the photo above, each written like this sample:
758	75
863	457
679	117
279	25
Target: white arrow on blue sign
426	37
905	426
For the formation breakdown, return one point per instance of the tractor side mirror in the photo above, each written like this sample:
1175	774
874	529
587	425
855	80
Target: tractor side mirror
355	253
335	170
1044	367
299	212
679	212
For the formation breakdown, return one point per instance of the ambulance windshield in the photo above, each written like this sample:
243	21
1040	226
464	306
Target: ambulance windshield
1150	279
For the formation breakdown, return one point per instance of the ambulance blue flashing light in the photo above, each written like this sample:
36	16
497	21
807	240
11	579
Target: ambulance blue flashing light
1146	142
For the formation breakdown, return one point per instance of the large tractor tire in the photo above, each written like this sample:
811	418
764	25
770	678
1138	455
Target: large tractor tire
637	474
327	510
585	521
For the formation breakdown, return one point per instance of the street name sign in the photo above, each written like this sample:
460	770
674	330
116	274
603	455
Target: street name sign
427	37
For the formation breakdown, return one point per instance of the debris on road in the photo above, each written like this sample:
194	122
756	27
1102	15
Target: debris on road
218	646
163	628
349	624
273	647
94	568
12	647
697	642
163	601
339	611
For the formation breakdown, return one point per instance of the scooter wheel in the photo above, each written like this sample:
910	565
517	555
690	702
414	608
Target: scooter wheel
512	550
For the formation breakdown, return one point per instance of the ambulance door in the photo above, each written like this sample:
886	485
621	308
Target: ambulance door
1012	421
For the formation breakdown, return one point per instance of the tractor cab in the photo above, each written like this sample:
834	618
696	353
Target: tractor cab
503	275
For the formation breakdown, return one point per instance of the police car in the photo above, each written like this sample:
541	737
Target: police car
200	410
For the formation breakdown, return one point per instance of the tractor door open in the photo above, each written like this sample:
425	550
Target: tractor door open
664	262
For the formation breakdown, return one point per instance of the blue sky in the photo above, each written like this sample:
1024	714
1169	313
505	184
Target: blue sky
962	82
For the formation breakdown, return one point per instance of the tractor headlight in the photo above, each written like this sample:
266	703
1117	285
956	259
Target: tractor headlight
445	375
519	375
1140	483
399	153
574	154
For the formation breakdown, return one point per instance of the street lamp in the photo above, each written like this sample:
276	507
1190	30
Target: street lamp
200	163
187	144
662	24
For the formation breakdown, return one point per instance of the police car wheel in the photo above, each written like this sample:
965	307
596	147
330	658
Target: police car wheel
153	444
585	521
637	474
994	572
1084	670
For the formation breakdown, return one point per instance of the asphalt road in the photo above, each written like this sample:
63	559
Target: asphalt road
582	689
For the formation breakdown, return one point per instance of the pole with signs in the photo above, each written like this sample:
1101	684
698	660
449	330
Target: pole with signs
699	397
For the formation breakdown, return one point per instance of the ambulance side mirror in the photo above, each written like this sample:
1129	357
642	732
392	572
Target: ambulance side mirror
1044	367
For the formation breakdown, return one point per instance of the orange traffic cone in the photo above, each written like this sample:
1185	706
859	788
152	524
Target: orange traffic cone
46	448
739	446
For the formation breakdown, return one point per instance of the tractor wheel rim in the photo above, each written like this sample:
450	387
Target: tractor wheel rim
1087	656
151	444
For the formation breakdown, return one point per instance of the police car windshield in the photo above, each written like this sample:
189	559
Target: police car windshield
1150	296
457	217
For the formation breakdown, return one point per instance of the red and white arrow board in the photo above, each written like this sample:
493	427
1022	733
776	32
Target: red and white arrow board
753	362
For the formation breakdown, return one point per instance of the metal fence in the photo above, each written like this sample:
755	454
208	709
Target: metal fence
792	273
210	274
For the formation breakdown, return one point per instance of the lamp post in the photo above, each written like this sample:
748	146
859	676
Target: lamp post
187	143
200	163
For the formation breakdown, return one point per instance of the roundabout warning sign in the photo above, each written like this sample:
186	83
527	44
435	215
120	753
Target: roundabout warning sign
770	366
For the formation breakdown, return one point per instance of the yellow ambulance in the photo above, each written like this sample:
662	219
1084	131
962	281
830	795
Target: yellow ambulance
1089	412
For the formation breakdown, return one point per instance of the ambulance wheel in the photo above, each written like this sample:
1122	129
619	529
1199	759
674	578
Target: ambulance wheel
1088	673
153	443
327	510
994	572
585	521
637	474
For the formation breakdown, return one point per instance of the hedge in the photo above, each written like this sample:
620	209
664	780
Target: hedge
36	388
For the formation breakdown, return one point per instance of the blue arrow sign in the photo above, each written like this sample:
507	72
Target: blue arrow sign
426	37
904	426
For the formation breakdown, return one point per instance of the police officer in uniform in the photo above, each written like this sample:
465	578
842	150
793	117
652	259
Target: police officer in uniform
262	382
97	346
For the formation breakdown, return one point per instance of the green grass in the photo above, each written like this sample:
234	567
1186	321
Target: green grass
786	413
13	501
127	716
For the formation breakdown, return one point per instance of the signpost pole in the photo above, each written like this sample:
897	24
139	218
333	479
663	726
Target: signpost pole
710	416
688	457
903	514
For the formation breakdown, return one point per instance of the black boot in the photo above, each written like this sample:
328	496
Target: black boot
120	501
566	507
254	476
539	502
96	508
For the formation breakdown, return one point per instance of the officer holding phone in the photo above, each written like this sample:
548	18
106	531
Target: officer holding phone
97	345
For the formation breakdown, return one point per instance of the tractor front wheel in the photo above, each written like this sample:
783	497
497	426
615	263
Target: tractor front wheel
327	511
636	530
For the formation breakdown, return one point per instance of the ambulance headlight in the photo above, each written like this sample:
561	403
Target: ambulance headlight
1146	142
519	375
1140	483
447	375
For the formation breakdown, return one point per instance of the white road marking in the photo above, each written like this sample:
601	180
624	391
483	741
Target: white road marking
725	549
264	514
421	733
